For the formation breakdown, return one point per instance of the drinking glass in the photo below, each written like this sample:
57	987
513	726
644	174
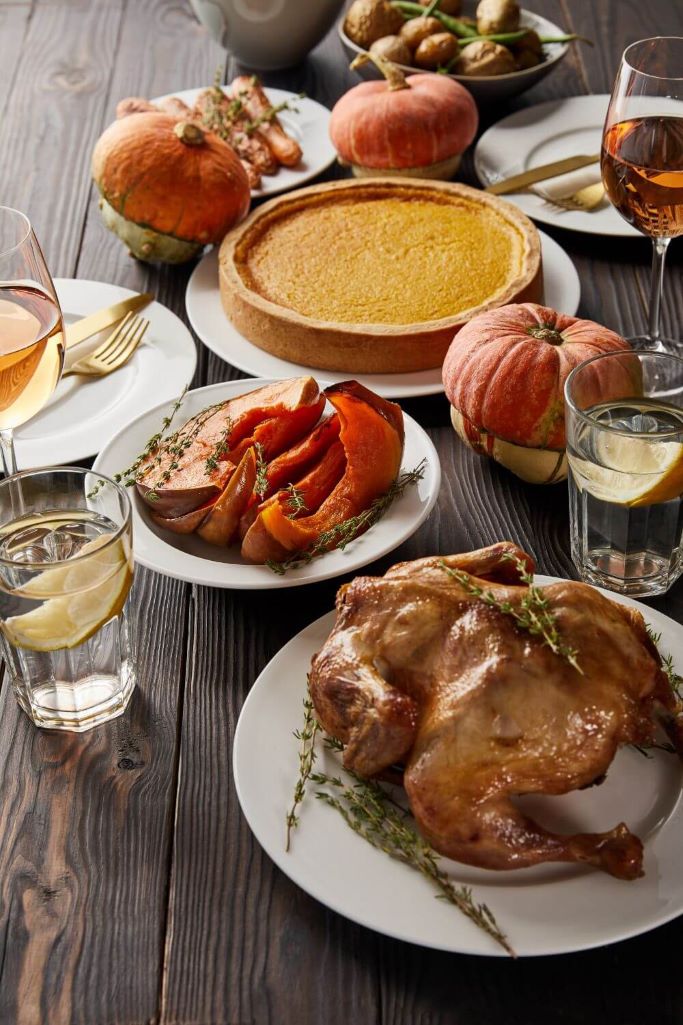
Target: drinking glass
66	570
31	332
642	157
625	455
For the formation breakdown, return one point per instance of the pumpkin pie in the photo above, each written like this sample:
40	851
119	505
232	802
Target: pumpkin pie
375	276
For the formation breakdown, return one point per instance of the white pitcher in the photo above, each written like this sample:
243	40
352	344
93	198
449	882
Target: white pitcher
267	34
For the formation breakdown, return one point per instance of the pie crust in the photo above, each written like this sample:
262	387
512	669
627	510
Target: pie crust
375	276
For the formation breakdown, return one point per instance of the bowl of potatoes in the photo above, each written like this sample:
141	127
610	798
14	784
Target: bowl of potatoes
497	51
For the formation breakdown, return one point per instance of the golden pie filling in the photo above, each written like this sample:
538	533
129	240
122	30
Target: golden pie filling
374	276
385	261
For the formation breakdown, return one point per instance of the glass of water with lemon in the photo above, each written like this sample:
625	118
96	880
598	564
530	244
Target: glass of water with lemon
66	569
625	453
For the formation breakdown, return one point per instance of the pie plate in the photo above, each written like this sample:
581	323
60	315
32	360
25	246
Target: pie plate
548	909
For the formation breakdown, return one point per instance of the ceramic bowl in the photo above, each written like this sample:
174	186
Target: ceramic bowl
495	88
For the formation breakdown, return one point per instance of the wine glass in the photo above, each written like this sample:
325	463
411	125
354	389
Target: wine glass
642	158
31	330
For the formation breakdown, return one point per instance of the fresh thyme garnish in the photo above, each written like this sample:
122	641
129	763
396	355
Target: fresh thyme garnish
220	448
129	475
675	681
342	534
533	613
261	482
306	736
372	813
295	501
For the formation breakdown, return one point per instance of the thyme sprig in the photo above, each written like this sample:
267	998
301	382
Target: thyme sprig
372	813
342	534
675	681
261	482
306	737
533	613
365	807
220	448
295	501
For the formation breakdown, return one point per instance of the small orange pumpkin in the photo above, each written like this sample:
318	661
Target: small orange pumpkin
167	188
504	376
417	126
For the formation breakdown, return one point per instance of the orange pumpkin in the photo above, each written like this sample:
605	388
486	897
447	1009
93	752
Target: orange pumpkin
504	376
168	188
416	126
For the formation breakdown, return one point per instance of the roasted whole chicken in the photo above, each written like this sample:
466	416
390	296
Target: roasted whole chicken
420	673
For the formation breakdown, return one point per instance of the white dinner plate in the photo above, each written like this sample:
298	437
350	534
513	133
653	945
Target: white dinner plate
85	412
306	121
548	909
189	558
539	135
203	303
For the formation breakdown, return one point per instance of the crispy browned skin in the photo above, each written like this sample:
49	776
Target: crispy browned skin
419	671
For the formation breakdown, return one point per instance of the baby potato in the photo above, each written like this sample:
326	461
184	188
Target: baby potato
497	16
414	31
436	51
484	58
393	48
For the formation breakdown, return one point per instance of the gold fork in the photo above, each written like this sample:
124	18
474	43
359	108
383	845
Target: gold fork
586	198
115	351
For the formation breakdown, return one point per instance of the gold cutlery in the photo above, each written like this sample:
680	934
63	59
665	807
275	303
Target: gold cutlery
115	351
586	199
94	322
538	174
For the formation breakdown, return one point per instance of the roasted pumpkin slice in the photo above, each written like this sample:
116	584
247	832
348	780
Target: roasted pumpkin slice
306	497
276	435
371	432
291	465
198	458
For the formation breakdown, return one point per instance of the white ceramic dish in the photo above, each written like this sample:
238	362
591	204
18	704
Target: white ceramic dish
189	558
307	121
203	302
549	909
496	88
539	135
85	412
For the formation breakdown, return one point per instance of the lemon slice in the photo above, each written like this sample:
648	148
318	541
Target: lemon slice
95	590
635	471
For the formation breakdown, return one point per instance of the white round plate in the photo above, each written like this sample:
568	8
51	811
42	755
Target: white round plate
307	121
85	412
203	304
189	558
548	909
539	135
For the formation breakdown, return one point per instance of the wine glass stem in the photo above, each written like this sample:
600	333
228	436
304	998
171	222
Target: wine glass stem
659	248
9	465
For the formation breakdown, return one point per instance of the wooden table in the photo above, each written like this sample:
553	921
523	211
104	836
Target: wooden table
131	889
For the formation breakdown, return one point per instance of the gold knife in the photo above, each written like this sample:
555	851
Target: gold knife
90	325
539	174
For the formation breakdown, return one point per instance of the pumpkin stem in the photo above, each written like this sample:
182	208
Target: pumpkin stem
189	133
546	333
393	74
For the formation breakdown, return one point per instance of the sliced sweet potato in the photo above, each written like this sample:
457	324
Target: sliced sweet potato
371	432
187	523
220	526
192	482
258	545
278	433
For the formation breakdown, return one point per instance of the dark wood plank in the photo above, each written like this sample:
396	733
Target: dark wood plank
83	861
52	117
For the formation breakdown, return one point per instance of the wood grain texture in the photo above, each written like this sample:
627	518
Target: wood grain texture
131	889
